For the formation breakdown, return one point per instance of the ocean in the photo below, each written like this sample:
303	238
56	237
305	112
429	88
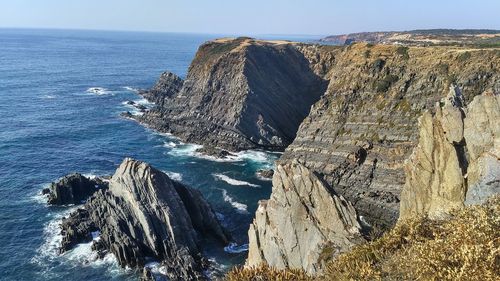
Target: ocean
62	93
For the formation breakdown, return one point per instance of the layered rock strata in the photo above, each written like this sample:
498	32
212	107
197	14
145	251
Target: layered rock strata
358	135
303	224
238	94
146	215
356	139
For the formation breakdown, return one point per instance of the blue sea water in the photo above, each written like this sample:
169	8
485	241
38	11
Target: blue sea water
51	124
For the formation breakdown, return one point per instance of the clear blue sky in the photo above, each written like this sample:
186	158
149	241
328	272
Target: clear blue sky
251	17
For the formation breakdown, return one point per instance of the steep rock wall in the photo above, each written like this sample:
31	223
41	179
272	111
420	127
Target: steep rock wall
357	137
457	159
303	224
239	94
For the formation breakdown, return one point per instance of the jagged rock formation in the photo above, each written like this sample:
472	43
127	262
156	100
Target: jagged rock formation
303	224
72	189
358	135
145	214
356	139
239	94
167	86
457	159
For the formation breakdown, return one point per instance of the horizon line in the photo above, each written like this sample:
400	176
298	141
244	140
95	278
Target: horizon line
153	31
232	34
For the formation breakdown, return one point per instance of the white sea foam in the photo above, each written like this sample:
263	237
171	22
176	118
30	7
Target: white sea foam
185	150
81	255
38	197
170	144
173	175
131	89
133	107
233	248
264	160
232	181
90	176
52	238
262	178
240	207
99	91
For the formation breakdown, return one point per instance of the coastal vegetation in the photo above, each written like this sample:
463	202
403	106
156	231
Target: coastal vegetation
463	246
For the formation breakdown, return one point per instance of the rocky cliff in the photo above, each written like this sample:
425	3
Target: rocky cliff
457	159
303	224
355	142
145	215
238	94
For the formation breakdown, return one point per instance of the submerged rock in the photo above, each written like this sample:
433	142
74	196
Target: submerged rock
216	152
267	174
72	189
143	215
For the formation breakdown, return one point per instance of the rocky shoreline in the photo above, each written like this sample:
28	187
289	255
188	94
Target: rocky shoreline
371	134
141	215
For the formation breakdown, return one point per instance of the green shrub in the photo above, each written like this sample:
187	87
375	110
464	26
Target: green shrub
463	57
403	51
378	64
383	85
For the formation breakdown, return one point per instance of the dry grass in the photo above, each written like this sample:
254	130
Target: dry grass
266	273
465	246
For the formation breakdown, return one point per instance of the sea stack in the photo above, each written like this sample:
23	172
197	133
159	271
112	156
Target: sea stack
144	214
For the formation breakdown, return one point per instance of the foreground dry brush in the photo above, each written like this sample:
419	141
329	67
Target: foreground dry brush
464	246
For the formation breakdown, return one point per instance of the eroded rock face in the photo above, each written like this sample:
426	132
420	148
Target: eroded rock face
357	137
303	224
361	131
457	159
145	214
72	189
167	86
482	134
239	94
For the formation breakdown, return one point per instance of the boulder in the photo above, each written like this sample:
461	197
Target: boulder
266	174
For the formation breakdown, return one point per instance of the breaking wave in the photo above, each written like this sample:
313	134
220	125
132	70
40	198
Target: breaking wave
174	176
232	181
240	207
131	89
185	150
233	248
